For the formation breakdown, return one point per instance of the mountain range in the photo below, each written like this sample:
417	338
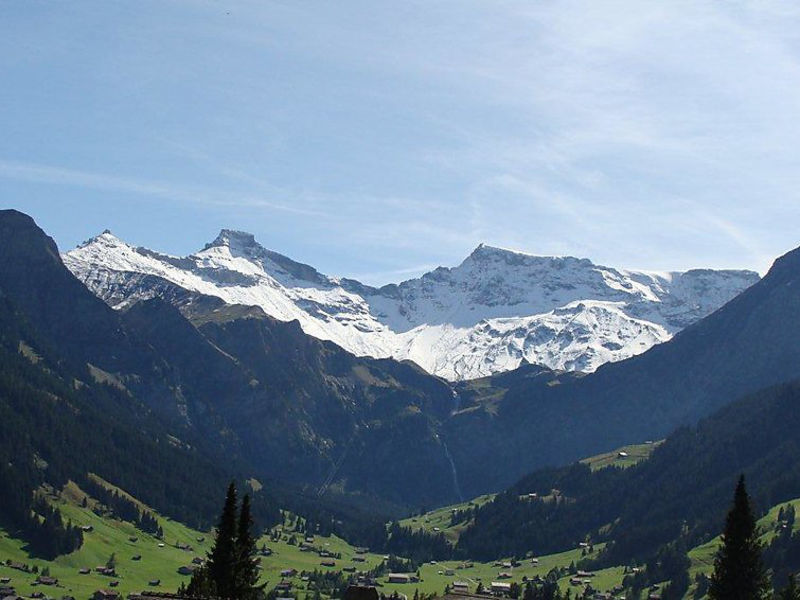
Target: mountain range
258	394
496	310
156	380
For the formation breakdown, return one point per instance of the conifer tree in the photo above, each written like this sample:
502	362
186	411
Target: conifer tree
739	573
222	558
245	572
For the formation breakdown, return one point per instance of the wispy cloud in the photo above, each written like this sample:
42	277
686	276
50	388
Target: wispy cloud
652	135
36	173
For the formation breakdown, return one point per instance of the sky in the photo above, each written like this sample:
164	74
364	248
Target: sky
377	140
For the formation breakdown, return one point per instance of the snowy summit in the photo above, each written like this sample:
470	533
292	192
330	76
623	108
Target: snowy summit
495	310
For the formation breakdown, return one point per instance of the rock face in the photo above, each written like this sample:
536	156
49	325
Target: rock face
493	312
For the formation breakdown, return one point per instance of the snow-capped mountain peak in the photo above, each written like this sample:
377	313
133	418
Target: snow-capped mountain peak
238	242
488	314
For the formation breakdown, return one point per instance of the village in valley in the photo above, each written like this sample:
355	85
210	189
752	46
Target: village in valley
117	560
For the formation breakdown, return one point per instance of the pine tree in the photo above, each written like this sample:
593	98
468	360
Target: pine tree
790	592
222	558
739	573
245	570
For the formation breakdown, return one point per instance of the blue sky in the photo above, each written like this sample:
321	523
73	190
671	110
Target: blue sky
379	139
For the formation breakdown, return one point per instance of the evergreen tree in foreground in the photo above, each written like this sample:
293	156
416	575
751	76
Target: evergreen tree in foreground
739	573
245	571
231	570
222	558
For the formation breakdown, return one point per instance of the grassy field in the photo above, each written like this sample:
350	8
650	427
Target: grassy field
161	558
632	454
433	577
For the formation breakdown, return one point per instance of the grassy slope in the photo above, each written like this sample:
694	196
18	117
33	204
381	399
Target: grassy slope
702	557
636	453
112	535
439	520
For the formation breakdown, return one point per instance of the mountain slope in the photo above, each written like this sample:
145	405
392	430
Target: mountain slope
251	392
489	314
552	418
681	492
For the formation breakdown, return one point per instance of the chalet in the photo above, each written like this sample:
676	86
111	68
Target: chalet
201	539
283	586
87	528
7	591
154	582
362	550
504	575
622	454
5	580
534	561
359	559
310	539
361	592
449	572
161	544
399	578
155	595
136	557
288	572
349	569
500	589
185	570
37	595
584	574
105	595
45	580
466	596
328	563
114	583
18	566
460	586
197	560
133	539
84	571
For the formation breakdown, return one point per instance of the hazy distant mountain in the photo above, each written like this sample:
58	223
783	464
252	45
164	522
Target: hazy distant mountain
494	311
